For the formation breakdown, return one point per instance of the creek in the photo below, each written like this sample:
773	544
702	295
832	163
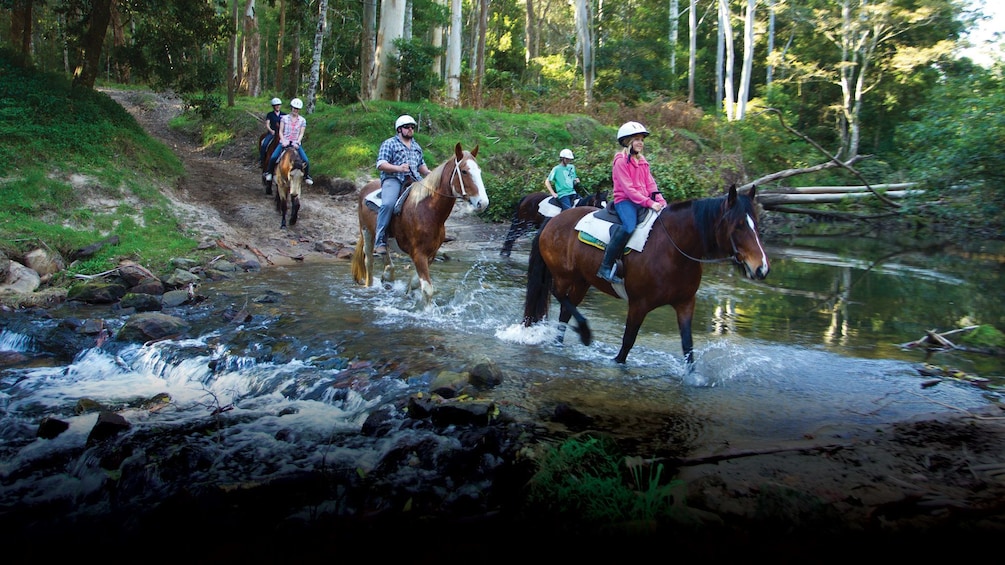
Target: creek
813	351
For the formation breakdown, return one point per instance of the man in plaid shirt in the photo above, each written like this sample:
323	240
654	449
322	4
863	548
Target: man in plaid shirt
399	158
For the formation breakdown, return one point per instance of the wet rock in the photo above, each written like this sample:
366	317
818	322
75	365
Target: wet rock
486	375
478	412
149	286
97	291
149	326
109	424
141	302
180	278
50	428
174	298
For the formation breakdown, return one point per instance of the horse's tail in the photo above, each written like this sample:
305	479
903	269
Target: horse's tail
358	267
535	306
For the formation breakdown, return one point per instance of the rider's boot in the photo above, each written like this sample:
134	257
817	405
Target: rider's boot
614	250
307	174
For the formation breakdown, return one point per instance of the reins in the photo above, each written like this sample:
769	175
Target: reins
732	257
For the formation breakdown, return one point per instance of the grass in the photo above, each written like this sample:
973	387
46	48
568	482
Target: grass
587	485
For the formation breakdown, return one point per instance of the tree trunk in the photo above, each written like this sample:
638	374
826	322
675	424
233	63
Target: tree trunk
90	56
584	45
531	33
21	19
770	67
122	69
726	32
367	51
232	56
748	61
438	45
392	24
279	46
483	13
252	42
454	55
692	49
319	37
672	37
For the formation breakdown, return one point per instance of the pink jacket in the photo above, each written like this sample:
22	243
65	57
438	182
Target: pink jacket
633	181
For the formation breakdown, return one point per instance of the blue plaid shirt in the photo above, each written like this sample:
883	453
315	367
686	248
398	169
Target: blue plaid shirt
395	152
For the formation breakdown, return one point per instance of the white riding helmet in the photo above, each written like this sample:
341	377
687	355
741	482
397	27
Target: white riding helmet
404	120
566	154
276	101
628	129
297	103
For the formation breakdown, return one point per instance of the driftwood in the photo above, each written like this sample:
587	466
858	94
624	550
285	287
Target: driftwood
934	341
93	248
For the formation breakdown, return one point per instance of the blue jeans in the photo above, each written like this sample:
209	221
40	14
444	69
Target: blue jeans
390	189
628	211
565	202
279	150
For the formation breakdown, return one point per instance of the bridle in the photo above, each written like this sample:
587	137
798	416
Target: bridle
460	179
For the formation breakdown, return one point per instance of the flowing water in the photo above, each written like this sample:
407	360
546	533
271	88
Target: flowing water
812	351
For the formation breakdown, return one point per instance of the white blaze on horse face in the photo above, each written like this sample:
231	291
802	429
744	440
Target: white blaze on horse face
480	202
762	271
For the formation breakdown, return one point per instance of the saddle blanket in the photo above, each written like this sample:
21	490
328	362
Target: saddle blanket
373	200
593	226
548	207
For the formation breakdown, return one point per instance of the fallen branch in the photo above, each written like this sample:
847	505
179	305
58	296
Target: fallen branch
706	459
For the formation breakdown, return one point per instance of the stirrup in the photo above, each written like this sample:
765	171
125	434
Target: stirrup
610	275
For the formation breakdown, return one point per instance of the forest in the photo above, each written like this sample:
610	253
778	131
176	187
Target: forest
816	92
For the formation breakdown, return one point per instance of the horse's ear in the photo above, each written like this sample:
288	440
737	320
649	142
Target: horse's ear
474	152
458	152
753	191
732	194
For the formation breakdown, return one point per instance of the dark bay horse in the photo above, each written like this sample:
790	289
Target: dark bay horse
527	216
684	237
264	164
418	229
289	181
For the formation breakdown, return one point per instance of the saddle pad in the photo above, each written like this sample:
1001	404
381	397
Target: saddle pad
373	200
548	208
600	230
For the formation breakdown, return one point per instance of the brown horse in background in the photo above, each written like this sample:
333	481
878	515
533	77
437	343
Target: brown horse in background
418	229
527	216
289	181
685	236
264	164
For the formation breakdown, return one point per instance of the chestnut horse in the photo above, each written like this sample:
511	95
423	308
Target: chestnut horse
264	164
684	237
289	180
527	216
419	228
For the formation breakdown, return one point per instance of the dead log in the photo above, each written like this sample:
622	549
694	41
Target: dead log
774	198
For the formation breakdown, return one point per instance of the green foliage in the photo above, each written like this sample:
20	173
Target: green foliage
414	72
966	166
110	159
984	336
585	483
